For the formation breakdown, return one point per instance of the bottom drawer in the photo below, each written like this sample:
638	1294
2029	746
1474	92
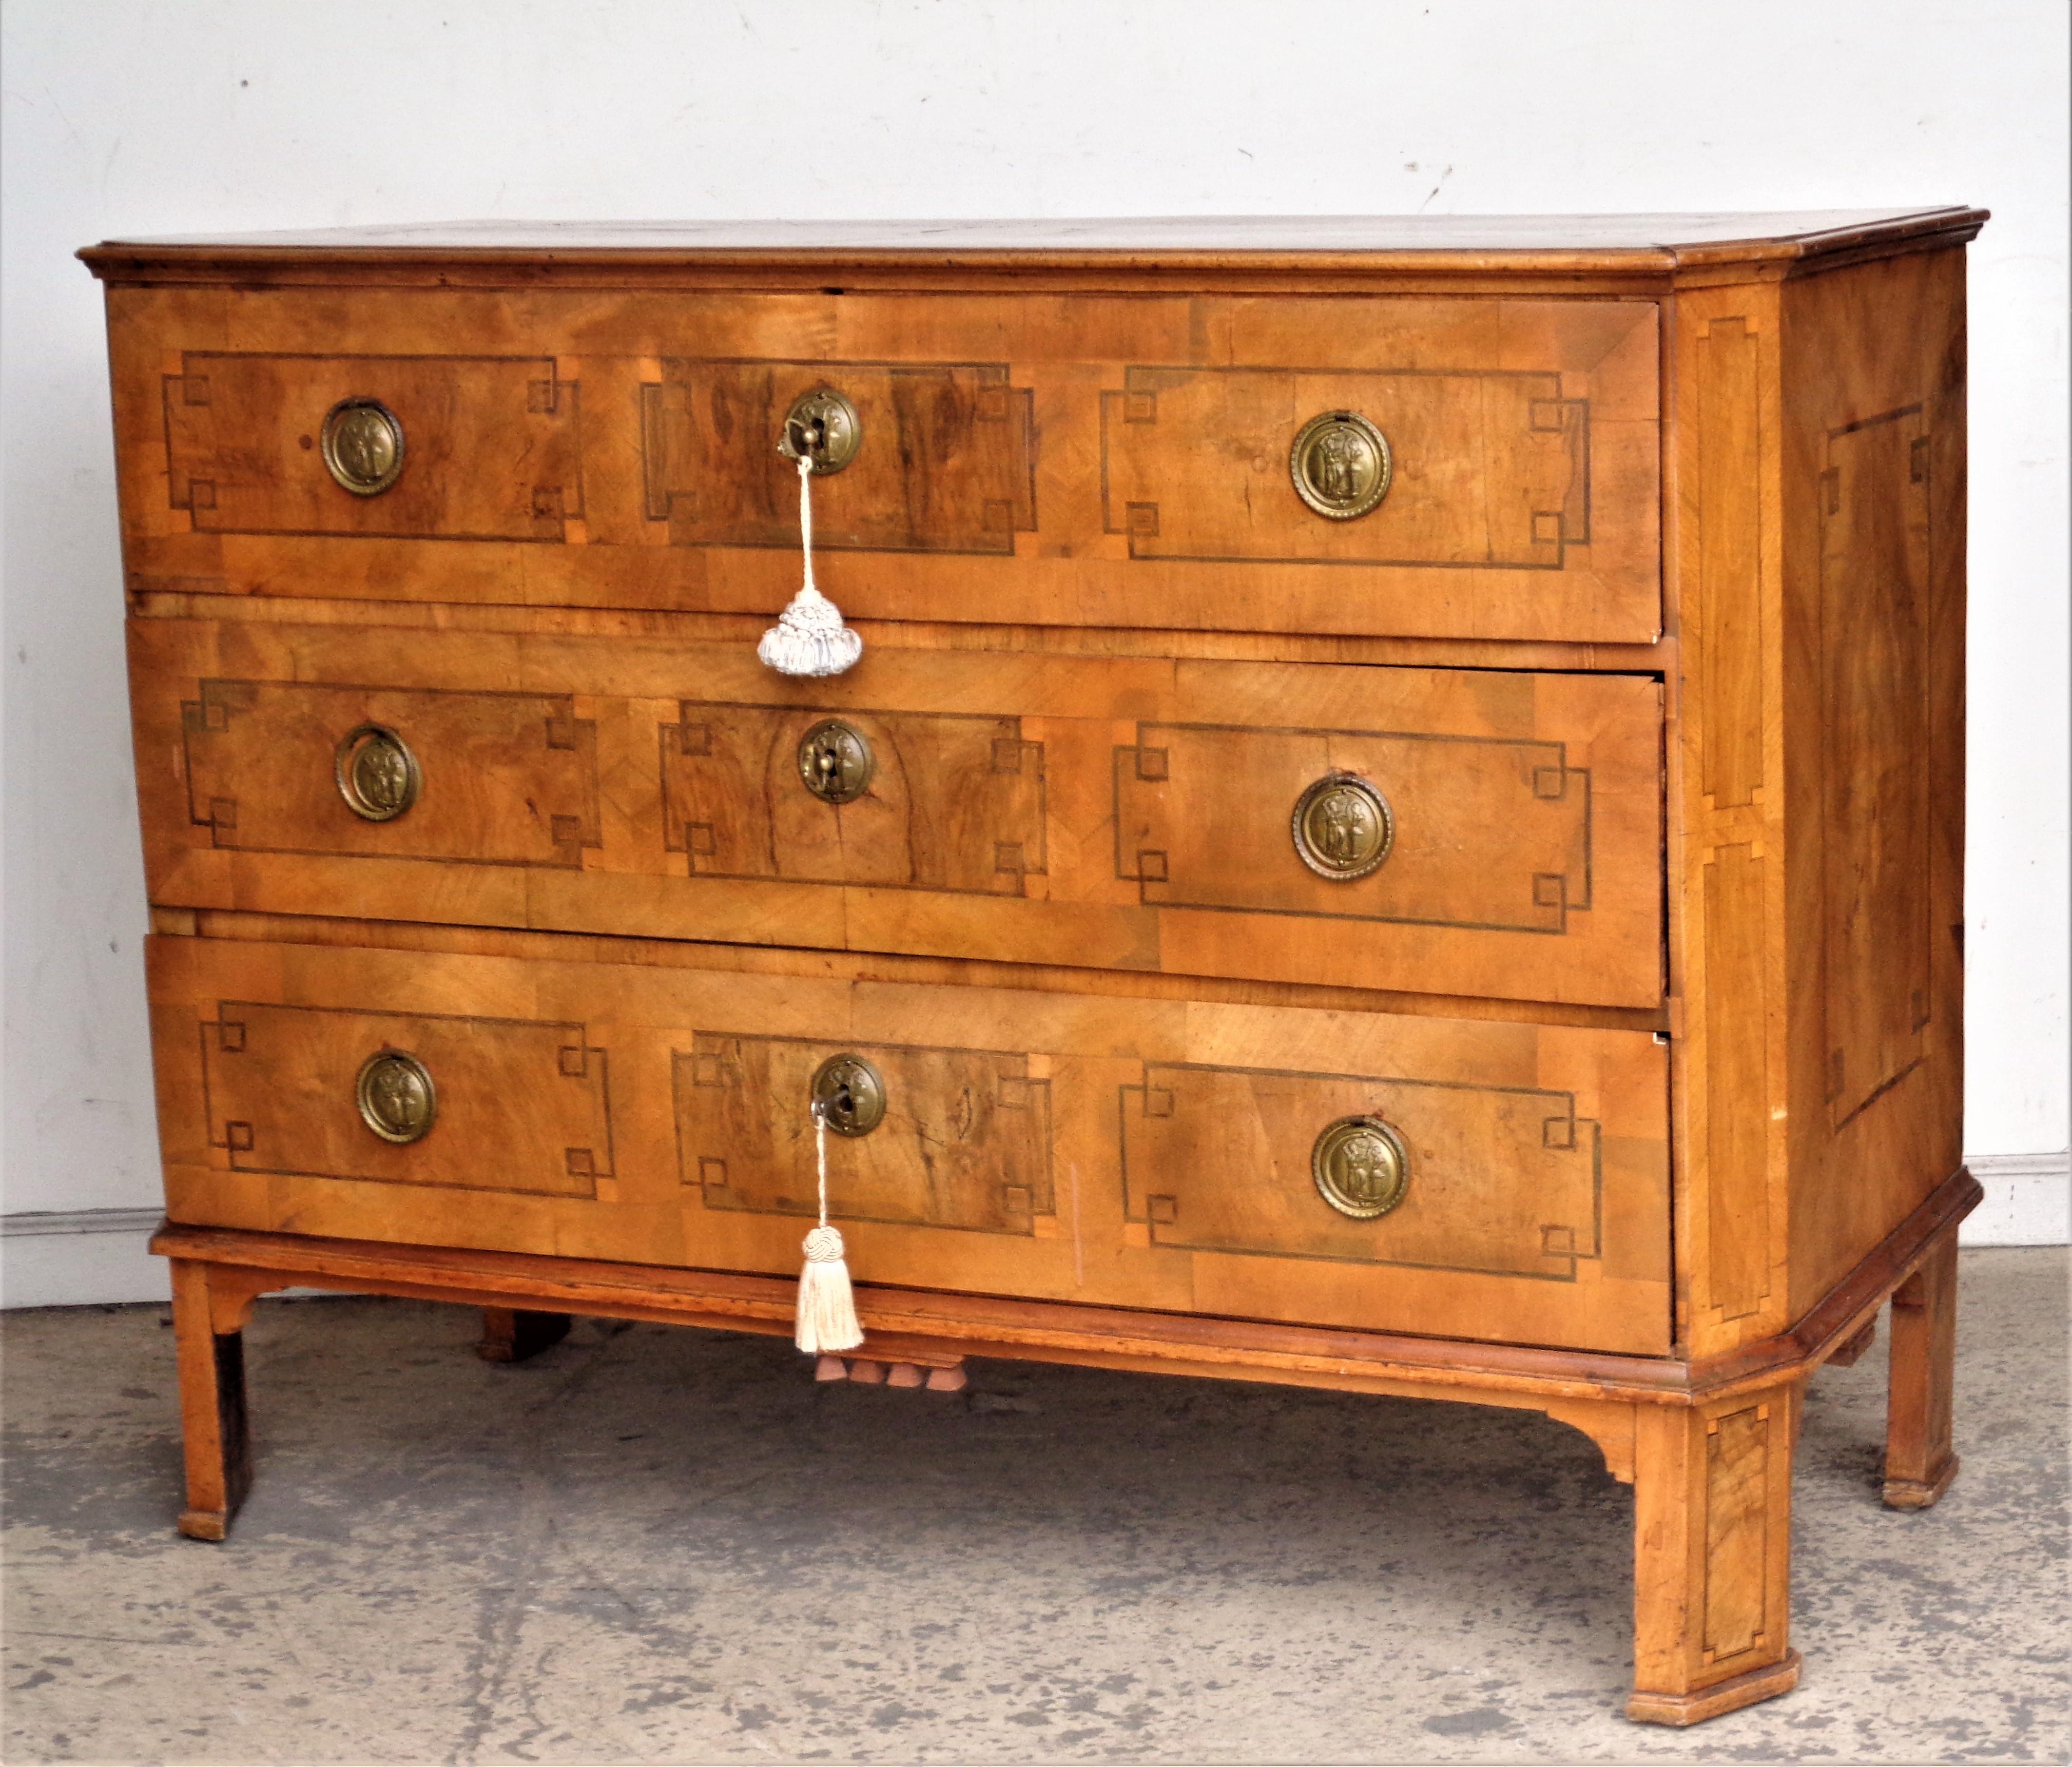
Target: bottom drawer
1450	1177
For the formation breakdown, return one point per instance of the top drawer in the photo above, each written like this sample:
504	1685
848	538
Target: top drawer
1050	459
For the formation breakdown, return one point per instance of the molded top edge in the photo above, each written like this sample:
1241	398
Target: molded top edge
1559	243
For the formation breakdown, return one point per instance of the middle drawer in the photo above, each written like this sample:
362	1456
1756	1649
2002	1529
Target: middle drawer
1446	831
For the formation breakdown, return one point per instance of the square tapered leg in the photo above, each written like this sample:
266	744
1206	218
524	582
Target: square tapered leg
1712	1557
213	1425
1919	1460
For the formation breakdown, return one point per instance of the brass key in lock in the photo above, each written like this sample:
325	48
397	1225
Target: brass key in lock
848	1093
822	427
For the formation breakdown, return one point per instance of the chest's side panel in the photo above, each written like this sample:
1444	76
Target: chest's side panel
1816	776
1874	714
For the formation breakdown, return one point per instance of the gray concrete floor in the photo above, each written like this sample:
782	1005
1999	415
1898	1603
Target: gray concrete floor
666	1545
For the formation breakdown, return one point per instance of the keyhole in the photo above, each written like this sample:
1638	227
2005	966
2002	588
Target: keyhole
848	1095
834	762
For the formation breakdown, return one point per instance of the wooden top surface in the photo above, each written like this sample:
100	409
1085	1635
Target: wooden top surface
1551	243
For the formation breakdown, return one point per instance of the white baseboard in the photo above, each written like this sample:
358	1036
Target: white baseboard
81	1258
2028	1200
95	1257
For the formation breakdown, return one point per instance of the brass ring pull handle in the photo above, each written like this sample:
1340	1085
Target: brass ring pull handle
396	1098
850	1095
363	446
835	762
1344	827
377	774
1361	1166
821	427
1341	464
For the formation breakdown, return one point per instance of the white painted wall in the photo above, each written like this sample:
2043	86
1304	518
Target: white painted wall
172	115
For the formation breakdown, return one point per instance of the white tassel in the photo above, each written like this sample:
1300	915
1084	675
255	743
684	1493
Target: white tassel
809	638
826	1320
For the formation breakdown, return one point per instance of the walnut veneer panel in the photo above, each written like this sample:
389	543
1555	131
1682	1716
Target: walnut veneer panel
517	785
1082	460
1114	812
950	467
524	1105
497	439
1495	467
1134	1153
1876	907
969	1142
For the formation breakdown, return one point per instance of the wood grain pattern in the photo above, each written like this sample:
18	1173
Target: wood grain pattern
513	779
1920	1460
947	463
1729	450
1490	468
1712	1587
980	493
215	1427
874	966
1521	250
965	1142
956	802
1738	1447
1727	851
1817	923
1502	1180
1874	717
1170	645
492	446
1488	834
1737	1130
652	788
1008	1093
523	1107
1876	820
1604	1391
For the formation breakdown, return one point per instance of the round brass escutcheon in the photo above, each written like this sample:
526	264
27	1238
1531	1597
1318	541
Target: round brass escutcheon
822	427
1341	464
363	446
397	1099
1344	827
835	762
848	1094
377	774
1361	1166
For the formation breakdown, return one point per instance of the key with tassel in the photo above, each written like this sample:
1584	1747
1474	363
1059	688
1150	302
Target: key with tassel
826	1316
809	638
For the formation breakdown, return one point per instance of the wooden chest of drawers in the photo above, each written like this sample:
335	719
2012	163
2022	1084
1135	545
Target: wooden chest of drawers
1399	826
